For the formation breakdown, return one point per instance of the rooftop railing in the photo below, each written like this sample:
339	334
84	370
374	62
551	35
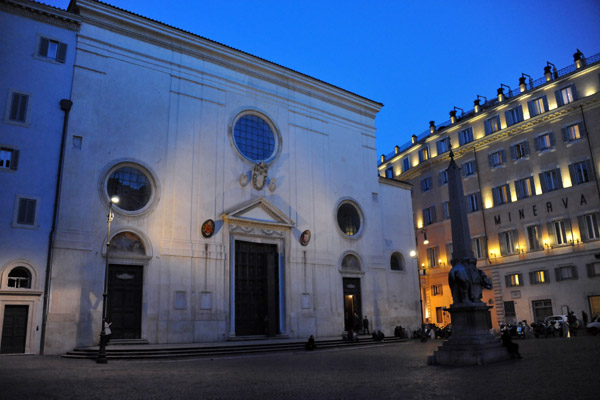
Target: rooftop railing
490	103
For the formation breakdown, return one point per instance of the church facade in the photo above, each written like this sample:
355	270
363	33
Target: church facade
247	202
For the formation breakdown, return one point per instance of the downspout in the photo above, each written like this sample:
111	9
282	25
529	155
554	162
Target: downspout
65	105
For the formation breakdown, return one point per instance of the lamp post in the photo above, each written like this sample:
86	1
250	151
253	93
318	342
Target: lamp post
103	336
413	255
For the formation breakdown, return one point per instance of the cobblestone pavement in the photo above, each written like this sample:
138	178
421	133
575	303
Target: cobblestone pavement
553	368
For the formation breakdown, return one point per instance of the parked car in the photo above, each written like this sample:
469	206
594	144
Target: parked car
553	318
594	326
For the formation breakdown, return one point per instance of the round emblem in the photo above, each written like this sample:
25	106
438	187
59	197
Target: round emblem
208	228
305	237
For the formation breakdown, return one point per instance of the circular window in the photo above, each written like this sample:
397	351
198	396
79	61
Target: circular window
348	218
19	277
254	138
397	262
132	186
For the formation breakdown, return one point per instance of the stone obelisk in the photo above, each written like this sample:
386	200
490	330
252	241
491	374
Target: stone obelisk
471	342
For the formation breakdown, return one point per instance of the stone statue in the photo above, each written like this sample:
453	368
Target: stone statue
467	282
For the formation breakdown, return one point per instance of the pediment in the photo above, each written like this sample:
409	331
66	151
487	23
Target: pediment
258	211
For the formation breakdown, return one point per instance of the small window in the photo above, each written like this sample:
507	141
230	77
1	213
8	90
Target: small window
437	290
26	210
566	95
389	172
432	257
443	177
492	124
538	277
465	136
514	115
550	180
501	194
424	154
446	206
593	269
509	309
9	158
508	242
534	237
479	248
469	168
588	227
443	146
544	142
572	133
580	172
513	280
519	151
405	164
429	215
426	184
537	106
52	49
497	158
558	232
18	108
349	219
525	188
473	202
397	262
566	273
19	277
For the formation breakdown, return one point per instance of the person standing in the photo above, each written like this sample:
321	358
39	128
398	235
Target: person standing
365	324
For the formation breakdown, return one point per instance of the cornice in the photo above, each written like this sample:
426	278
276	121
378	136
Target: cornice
41	13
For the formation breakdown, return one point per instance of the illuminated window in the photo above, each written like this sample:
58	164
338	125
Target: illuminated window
513	280
424	154
443	146
501	194
429	215
497	158
479	247
537	277
465	136
537	106
19	277
580	172
566	95
405	164
588	227
544	142
514	115
437	290
572	133
492	124
534	237
432	257
519	151
507	242
525	188
426	184
9	158
565	273
468	168
550	180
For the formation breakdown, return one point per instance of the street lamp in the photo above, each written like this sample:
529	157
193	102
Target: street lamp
103	336
413	255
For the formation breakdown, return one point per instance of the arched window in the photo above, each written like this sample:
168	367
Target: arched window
19	277
397	261
350	263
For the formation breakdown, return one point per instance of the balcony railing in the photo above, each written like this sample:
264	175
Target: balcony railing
490	103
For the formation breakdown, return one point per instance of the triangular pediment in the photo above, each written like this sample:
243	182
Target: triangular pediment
258	211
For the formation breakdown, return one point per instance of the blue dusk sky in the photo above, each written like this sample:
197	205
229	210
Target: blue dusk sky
419	58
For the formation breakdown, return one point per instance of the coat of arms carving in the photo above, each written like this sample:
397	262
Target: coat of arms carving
260	173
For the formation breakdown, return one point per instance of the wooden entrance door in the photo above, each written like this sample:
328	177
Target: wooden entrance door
352	302
14	329
256	289
124	302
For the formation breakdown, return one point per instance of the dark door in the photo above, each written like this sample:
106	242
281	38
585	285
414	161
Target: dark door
256	289
352	302
124	302
14	329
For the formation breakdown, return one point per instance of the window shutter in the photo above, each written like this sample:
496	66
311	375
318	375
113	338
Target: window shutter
43	52
559	101
581	130
531	109
574	271
513	152
507	281
590	270
547	276
508	118
557	274
545	100
14	161
490	160
559	177
536	143
501	237
488	128
526	147
519	189
503	154
574	91
62	52
520	113
532	278
421	155
589	170
552	140
26	212
433	214
582	228
543	182
473	166
574	180
565	135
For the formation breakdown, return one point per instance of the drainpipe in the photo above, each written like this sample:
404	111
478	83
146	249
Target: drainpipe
65	105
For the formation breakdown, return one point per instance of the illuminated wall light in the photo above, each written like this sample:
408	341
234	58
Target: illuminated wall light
488	203
413	253
566	181
419	224
513	196
590	92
